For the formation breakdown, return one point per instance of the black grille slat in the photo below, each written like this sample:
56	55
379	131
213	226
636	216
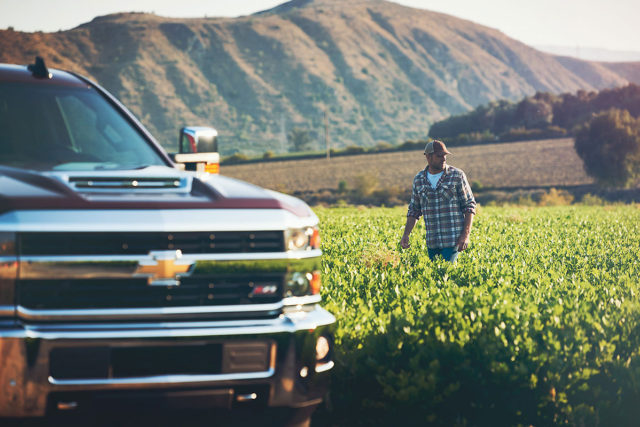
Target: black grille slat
140	243
127	361
121	362
136	293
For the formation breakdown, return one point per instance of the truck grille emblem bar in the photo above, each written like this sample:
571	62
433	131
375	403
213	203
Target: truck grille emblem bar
164	268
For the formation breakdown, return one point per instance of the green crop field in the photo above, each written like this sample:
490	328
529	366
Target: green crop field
538	323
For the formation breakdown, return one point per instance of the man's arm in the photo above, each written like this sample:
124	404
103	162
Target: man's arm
464	240
411	222
413	214
468	207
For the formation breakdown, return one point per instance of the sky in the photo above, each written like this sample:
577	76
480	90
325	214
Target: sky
611	24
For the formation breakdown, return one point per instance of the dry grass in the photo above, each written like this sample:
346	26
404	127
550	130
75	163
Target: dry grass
379	256
515	219
544	163
556	197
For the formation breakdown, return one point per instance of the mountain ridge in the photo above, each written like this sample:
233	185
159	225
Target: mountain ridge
591	53
380	71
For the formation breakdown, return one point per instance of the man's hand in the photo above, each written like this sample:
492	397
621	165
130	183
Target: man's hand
463	242
404	242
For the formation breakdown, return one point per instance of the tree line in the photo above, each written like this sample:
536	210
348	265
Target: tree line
605	124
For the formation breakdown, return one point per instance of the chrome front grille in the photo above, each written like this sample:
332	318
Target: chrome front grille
82	276
141	243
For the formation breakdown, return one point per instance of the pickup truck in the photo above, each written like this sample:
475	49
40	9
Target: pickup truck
125	279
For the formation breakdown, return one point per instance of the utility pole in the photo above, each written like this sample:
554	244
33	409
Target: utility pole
326	134
283	135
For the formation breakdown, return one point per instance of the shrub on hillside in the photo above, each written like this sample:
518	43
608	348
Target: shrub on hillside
523	134
609	145
352	149
235	158
476	186
534	113
526	201
591	200
556	197
529	198
546	114
412	145
365	184
389	196
470	138
300	139
384	146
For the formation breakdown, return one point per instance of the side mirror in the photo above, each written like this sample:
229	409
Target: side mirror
198	150
197	139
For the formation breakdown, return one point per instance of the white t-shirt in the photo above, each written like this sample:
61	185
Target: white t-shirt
433	179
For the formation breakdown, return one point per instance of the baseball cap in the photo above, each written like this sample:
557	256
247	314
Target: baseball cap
436	146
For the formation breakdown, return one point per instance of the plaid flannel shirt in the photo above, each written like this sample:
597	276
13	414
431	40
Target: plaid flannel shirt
443	207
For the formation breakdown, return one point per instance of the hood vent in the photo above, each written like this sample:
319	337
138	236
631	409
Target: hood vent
103	183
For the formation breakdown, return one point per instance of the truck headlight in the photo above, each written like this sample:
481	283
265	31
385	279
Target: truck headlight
299	284
301	239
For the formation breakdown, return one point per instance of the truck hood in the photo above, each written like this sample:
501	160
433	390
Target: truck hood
153	187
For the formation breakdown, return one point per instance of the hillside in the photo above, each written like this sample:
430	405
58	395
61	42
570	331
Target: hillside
381	71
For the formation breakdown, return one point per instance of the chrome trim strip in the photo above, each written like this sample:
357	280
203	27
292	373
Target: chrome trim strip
197	158
137	313
174	325
139	326
7	310
324	367
160	380
239	256
164	333
284	324
308	299
167	313
159	220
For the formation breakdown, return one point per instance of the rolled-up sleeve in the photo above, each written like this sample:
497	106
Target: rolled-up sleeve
465	196
415	208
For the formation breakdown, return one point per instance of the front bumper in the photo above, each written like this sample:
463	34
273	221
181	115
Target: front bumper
31	383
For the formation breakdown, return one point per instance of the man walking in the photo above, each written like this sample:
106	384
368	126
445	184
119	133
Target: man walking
443	196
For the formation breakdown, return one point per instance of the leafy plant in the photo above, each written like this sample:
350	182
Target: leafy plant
536	324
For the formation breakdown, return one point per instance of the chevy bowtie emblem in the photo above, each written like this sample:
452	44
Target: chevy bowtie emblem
164	268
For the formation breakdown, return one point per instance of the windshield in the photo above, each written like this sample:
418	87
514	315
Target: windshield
67	128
